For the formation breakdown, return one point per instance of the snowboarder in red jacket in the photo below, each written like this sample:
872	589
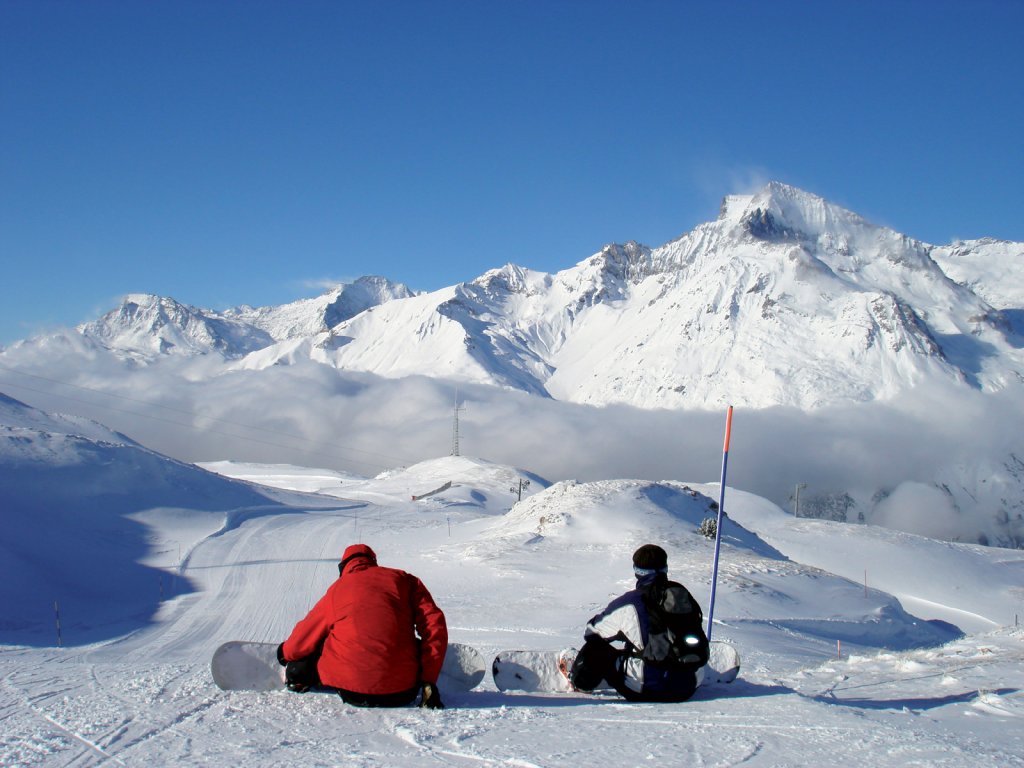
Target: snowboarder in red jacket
377	636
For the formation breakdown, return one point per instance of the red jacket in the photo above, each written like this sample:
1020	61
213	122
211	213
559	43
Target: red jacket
368	622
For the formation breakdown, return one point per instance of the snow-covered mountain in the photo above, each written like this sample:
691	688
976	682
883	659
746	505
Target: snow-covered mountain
145	327
785	299
308	317
991	268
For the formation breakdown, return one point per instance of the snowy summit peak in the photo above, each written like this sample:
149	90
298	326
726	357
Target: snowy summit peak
733	207
145	325
629	261
780	212
510	278
140	300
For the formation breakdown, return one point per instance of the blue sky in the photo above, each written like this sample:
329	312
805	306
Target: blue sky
247	152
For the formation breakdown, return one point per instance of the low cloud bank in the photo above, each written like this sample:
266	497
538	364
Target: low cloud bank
944	463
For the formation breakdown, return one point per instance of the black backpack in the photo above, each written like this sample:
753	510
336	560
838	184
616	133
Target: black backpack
675	636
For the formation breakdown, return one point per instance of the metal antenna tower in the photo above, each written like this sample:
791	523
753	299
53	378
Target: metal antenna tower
455	426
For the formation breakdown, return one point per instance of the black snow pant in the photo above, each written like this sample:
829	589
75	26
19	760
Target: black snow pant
599	661
302	675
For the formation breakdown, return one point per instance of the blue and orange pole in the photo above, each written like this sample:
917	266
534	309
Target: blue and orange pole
718	526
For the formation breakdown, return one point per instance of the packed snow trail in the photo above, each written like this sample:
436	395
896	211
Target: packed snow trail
530	577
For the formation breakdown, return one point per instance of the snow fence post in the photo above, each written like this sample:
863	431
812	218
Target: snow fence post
56	611
721	511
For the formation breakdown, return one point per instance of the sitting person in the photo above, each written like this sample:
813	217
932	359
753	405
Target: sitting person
376	636
647	644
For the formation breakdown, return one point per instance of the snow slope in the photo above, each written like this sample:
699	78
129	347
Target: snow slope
991	268
905	691
92	520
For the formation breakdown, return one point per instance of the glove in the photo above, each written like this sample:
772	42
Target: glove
431	698
291	685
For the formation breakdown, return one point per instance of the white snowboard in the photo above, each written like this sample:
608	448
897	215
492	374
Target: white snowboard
538	672
239	665
723	664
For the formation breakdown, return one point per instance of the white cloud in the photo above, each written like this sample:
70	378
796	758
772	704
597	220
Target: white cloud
922	509
310	414
322	284
712	176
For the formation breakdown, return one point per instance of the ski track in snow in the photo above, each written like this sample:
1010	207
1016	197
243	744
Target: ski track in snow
147	698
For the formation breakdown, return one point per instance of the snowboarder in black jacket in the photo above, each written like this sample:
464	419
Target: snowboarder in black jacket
649	643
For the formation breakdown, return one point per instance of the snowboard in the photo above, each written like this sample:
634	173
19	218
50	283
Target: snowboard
538	672
239	665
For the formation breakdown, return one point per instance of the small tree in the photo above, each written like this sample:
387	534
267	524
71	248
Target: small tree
709	527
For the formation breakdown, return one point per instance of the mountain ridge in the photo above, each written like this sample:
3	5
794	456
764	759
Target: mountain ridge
784	299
